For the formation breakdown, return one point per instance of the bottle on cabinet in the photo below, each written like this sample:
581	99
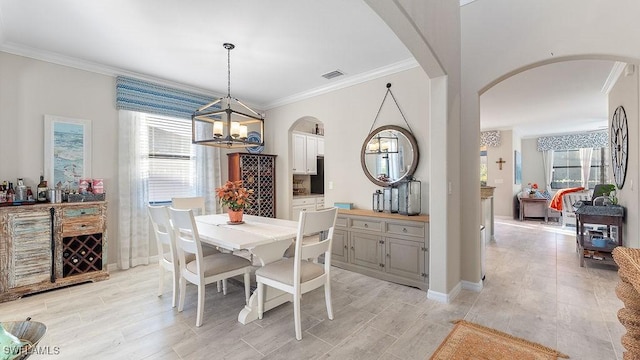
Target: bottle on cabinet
42	190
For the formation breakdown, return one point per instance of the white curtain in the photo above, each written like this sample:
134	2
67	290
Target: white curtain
133	220
585	165
547	162
208	176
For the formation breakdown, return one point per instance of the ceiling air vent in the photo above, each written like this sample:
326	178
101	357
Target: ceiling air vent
333	74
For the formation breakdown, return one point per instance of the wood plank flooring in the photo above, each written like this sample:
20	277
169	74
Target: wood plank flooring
534	289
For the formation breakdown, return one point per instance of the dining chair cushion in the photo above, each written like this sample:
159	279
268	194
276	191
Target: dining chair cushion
206	251
219	263
282	271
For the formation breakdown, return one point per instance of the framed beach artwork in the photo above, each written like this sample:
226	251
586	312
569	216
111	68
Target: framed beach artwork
67	151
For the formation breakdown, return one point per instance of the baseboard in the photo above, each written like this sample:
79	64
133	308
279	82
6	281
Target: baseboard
442	297
468	285
112	267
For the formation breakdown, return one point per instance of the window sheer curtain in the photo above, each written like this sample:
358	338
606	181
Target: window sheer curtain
585	165
208	176
547	162
133	221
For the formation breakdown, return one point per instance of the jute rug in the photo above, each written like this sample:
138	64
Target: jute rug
472	341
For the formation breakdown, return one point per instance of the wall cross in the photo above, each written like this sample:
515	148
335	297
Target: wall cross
500	162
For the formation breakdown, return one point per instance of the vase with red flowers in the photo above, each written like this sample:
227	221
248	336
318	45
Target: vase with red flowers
236	198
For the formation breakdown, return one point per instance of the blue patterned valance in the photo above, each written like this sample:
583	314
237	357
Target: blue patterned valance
490	138
137	95
574	141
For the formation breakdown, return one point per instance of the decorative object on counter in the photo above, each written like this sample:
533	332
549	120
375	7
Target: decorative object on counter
231	130
67	151
389	153
254	136
42	190
342	205
377	201
409	197
236	198
85	197
390	194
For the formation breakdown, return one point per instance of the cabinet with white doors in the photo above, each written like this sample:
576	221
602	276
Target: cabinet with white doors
305	203
305	153
386	246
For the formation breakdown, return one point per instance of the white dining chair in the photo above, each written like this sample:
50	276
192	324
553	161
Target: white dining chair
167	255
204	269
193	203
302	273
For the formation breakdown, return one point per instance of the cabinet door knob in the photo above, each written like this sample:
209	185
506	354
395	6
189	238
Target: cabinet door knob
346	247
404	230
388	255
366	225
352	248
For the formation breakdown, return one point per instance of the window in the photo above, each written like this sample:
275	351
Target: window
171	158
567	171
484	169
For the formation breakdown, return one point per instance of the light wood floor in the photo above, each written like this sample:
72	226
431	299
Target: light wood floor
534	289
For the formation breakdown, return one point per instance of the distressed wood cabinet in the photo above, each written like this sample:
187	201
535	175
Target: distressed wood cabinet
46	246
391	247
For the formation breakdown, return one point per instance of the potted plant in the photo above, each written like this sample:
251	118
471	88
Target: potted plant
236	198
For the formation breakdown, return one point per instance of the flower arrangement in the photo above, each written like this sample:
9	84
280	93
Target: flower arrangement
533	188
233	195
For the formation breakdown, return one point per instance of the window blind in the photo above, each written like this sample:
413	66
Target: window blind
171	158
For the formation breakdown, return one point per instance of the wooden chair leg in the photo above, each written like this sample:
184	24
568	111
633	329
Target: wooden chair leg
161	277
200	304
260	291
296	315
327	299
174	281
183	290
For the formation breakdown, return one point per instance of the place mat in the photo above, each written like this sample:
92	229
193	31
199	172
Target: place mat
472	341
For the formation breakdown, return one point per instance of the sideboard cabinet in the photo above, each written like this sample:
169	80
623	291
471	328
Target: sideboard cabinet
386	246
46	246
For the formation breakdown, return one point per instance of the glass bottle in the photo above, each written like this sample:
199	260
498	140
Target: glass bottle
10	193
42	190
29	194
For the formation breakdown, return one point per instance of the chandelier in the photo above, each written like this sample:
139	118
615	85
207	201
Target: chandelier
227	127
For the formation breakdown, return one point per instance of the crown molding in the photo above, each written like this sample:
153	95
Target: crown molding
354	80
102	69
614	75
93	67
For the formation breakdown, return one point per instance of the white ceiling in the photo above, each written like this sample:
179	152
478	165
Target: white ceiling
282	49
558	98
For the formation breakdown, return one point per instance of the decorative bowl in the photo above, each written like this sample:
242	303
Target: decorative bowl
29	331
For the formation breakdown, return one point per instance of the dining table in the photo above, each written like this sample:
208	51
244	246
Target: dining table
265	238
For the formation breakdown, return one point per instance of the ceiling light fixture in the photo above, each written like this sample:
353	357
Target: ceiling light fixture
227	128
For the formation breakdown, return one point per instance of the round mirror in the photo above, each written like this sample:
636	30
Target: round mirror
389	154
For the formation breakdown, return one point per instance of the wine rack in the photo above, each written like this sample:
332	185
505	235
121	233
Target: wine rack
81	254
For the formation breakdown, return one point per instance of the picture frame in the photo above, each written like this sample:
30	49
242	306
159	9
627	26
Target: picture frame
517	162
67	151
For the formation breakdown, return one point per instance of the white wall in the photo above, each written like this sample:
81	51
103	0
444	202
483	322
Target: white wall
29	89
347	115
532	165
625	93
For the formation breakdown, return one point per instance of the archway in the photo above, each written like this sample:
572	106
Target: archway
306	165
